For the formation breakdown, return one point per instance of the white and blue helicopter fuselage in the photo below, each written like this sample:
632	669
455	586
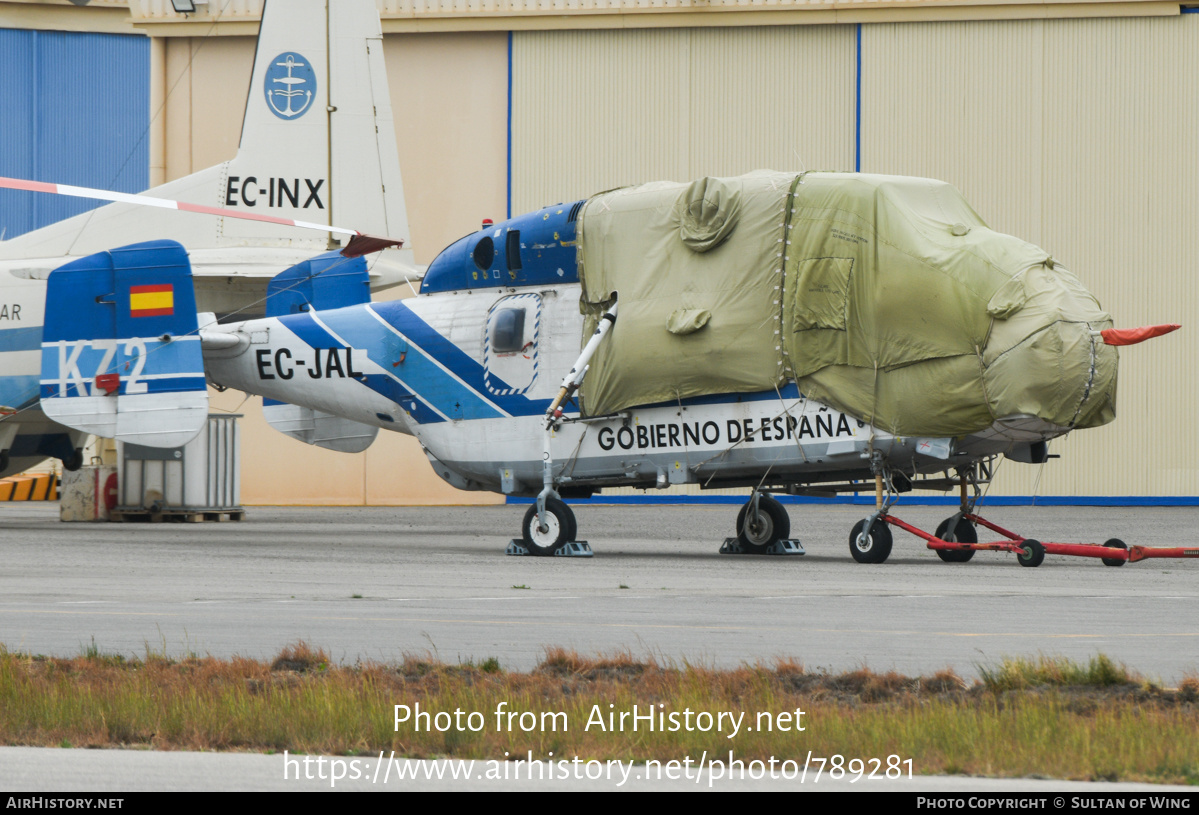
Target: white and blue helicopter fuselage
424	367
472	363
472	367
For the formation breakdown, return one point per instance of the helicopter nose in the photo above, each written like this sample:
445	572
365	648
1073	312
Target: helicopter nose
1047	358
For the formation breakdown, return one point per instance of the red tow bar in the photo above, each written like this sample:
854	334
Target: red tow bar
1113	553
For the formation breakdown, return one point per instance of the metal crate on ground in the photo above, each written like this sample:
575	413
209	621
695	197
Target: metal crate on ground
200	481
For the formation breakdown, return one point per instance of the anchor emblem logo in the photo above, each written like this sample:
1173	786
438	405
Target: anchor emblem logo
290	85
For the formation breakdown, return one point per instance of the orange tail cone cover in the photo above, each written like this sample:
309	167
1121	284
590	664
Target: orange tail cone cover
1131	336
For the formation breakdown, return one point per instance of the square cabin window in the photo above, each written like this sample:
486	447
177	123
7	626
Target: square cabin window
507	331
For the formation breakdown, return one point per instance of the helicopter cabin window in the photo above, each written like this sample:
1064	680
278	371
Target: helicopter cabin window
510	344
507	331
484	254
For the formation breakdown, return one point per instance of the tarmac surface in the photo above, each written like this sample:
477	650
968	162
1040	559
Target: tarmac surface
381	583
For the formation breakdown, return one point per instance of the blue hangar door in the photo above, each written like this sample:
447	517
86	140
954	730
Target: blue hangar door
74	109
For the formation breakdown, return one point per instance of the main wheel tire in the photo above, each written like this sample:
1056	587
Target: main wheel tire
1031	553
74	461
756	534
963	532
560	523
1115	543
874	548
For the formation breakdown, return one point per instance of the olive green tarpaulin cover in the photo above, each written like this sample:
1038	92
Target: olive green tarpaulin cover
885	297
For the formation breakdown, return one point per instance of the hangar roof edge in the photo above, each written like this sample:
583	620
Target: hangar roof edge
240	18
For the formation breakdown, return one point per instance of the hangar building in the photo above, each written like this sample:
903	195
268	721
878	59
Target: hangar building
1073	124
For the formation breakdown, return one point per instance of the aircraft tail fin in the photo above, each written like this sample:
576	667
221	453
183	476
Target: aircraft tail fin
324	282
317	145
120	349
318	140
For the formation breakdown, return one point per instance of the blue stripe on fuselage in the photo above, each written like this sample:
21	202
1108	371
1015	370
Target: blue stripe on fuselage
420	369
175	384
434	385
19	391
420	334
393	390
21	339
315	335
306	328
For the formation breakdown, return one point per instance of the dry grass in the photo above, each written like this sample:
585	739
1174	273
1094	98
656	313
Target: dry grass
1021	674
1046	717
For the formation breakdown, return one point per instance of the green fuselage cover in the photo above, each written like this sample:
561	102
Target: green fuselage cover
885	297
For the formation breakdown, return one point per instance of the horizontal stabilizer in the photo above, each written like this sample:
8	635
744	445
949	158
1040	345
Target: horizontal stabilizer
327	281
120	350
361	244
321	429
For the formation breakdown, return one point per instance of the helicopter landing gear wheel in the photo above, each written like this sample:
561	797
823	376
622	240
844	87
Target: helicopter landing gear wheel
756	533
1031	553
560	528
74	461
872	548
1115	543
963	532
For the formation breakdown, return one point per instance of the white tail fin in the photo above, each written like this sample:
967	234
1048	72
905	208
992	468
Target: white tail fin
318	145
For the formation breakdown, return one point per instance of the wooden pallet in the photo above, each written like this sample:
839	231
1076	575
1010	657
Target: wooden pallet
192	516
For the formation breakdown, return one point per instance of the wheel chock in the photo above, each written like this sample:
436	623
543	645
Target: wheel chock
570	549
786	546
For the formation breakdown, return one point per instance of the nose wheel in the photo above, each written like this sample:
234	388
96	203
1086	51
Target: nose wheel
870	547
560	528
962	532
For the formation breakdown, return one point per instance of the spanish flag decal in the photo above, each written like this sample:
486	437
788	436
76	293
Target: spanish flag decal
152	301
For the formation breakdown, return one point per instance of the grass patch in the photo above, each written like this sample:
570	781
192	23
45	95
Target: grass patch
1046	717
1021	674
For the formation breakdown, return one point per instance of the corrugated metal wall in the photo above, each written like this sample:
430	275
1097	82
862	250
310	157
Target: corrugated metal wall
594	110
1078	135
75	106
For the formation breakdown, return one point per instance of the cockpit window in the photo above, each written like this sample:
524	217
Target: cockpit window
508	331
484	254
